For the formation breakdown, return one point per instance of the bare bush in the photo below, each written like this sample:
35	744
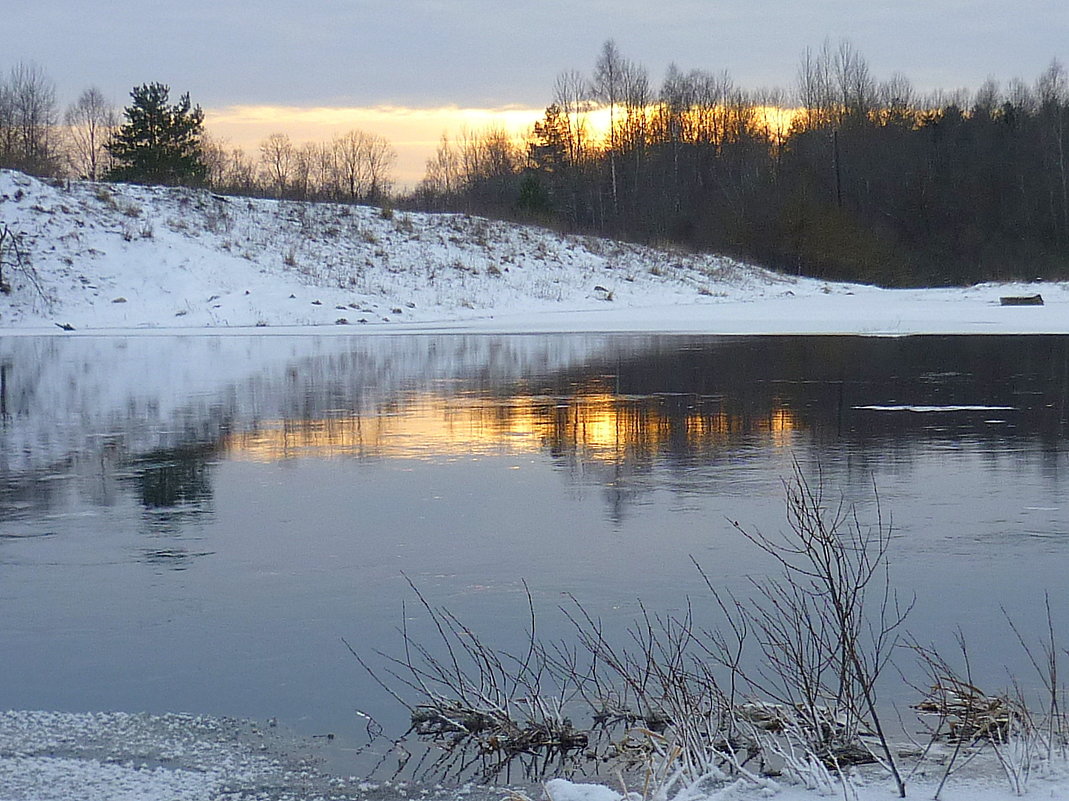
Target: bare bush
827	626
677	704
485	708
1022	740
15	260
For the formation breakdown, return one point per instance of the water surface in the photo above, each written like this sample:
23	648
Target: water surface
195	523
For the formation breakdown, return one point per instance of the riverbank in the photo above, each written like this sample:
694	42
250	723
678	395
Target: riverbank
83	257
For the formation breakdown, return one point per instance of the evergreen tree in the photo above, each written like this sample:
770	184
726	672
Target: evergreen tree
159	143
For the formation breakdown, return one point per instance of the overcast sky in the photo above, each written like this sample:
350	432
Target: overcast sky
494	53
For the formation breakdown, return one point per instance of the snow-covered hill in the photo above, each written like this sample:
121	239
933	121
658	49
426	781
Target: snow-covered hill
107	257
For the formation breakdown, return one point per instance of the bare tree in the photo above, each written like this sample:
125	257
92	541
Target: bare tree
1052	95
835	85
8	132
898	99
637	99
608	89
571	93
29	136
304	161
363	162
815	88
349	157
987	100
1020	96
326	171
381	158
215	156
90	122
230	171
711	94
854	83
674	104
443	175
276	160
490	153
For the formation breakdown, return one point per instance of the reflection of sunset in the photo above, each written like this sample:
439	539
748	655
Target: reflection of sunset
595	426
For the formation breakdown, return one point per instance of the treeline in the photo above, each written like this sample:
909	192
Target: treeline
92	139
352	167
845	177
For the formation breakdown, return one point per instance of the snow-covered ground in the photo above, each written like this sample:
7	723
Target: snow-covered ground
114	257
110	259
115	756
56	756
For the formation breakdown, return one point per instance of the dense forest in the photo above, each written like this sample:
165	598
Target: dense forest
843	176
847	177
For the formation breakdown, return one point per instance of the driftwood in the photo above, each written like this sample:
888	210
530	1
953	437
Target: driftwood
838	746
970	714
1021	300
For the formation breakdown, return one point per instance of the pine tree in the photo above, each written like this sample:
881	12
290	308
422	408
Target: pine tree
159	143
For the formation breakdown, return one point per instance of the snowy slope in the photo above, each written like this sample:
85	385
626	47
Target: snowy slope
109	256
104	256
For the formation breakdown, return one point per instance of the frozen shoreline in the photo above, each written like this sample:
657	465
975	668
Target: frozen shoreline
115	756
865	311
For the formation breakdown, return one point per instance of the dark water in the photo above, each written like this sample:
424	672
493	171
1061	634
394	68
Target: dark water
194	524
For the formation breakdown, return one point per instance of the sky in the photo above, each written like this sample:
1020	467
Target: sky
410	70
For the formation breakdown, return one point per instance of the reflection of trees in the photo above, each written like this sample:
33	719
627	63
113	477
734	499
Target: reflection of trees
178	477
182	479
682	404
589	425
4	413
175	488
627	415
33	493
652	409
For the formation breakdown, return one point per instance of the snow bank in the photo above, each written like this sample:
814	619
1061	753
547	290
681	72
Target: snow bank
53	756
983	784
119	257
109	256
46	756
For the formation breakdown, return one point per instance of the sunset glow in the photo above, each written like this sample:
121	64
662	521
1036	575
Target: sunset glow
596	426
413	132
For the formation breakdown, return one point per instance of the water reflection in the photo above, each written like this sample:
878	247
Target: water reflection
590	426
193	523
4	367
176	478
609	408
